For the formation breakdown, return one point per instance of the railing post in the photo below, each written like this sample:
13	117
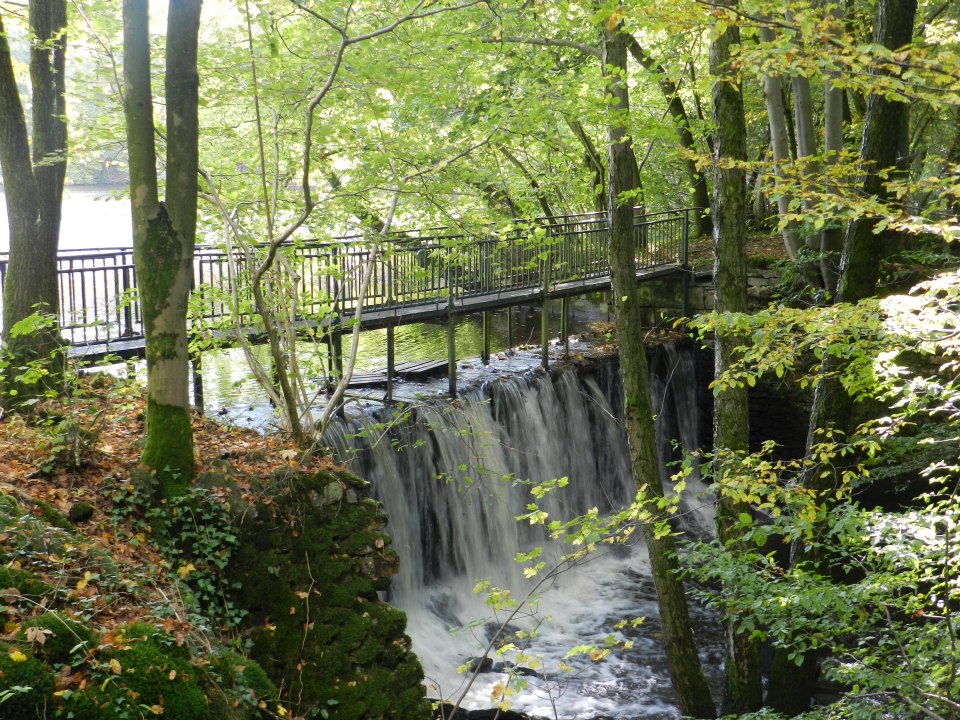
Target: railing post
127	303
684	264
485	350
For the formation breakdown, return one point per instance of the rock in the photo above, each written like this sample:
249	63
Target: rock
80	512
308	569
332	493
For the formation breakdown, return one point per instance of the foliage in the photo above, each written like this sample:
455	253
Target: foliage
195	535
27	376
881	608
26	684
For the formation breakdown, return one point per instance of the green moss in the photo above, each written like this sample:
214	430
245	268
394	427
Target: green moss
80	512
161	253
240	685
310	564
94	702
52	516
155	671
66	640
28	584
169	447
27	680
162	346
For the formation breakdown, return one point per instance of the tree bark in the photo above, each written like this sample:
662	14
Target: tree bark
731	425
780	144
34	186
686	674
831	241
164	234
882	132
594	163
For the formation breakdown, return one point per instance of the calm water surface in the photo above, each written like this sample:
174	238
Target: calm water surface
94	216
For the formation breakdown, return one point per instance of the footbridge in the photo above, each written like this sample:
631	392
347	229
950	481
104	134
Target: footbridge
414	276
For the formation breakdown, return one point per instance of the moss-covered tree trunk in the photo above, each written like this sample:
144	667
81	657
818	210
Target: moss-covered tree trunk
686	674
164	233
731	424
34	185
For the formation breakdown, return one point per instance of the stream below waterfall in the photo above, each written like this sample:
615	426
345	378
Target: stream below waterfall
453	479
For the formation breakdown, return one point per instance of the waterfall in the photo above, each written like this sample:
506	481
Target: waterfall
454	478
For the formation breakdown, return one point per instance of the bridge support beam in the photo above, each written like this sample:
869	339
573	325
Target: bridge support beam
452	349
565	324
390	363
509	327
545	333
485	350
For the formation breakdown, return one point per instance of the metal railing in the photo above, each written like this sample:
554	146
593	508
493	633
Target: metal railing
98	287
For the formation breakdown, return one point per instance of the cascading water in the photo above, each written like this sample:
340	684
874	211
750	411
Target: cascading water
453	481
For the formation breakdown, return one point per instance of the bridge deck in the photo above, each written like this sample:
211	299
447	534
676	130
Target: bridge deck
414	278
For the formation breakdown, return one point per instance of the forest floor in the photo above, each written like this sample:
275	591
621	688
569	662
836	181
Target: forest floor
763	249
70	464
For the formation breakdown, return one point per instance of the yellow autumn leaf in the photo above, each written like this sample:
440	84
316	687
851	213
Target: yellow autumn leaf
172	675
185	570
282	711
614	19
597	655
156	709
17	656
115	667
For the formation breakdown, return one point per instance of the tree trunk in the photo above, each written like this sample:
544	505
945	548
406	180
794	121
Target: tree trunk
831	241
882	133
731	429
693	695
164	234
34	187
780	144
594	163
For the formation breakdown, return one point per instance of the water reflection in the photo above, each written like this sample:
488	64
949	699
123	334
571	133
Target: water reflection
231	392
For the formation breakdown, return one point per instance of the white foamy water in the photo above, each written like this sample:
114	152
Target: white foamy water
449	477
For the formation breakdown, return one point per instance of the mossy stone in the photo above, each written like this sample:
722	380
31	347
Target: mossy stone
20	668
28	584
309	570
240	686
80	512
